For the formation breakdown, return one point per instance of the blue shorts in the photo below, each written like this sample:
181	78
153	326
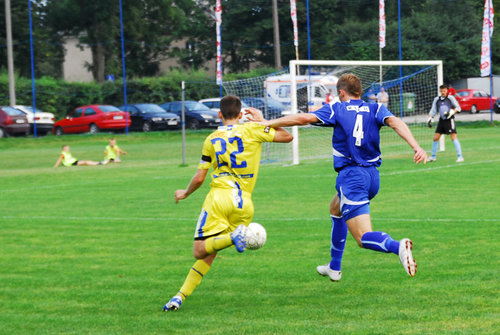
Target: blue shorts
356	186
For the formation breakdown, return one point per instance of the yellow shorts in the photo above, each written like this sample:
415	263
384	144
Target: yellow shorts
223	211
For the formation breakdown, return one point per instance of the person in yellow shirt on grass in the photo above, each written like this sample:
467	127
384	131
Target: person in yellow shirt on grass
112	152
233	151
68	160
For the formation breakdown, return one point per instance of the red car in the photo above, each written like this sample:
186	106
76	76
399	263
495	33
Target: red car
474	100
92	119
13	121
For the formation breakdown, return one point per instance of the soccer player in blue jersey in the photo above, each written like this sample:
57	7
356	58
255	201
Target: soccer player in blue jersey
233	151
356	156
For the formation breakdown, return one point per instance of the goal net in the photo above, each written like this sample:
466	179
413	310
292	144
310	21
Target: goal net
307	85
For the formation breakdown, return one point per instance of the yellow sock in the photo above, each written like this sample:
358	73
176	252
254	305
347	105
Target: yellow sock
219	242
194	277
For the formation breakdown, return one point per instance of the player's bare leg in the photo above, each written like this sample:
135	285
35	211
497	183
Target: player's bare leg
88	163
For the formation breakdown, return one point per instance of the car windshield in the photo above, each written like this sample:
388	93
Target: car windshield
150	108
274	104
31	109
12	111
196	106
463	93
107	109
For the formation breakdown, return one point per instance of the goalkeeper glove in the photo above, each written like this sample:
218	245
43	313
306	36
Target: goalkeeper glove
429	122
450	113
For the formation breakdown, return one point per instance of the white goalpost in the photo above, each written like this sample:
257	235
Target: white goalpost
307	85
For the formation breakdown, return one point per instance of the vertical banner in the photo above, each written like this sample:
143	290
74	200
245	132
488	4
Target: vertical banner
218	21
293	12
381	23
486	39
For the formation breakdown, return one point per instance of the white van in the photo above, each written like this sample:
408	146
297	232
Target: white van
312	91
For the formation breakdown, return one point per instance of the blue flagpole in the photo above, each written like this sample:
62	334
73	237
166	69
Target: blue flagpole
123	67
400	58
32	71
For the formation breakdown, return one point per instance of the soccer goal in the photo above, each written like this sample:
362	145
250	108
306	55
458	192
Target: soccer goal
305	86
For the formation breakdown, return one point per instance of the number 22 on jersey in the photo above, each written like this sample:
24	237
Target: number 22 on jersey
232	155
357	133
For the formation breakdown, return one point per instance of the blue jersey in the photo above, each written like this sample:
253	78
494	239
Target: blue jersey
356	137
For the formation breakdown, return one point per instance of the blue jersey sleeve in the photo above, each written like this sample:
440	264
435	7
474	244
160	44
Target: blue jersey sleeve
326	115
381	114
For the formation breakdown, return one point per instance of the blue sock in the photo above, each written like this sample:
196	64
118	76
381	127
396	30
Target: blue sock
339	234
435	146
380	241
458	148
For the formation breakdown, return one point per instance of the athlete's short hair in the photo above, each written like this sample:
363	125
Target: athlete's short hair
351	84
230	107
443	86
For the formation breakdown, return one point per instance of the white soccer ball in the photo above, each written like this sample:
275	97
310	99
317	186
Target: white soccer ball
256	236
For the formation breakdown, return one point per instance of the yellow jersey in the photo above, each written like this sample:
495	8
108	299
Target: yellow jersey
111	152
234	153
67	159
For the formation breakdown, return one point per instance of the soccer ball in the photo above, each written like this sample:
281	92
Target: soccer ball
256	236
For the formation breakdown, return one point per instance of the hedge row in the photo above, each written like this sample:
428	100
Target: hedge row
59	97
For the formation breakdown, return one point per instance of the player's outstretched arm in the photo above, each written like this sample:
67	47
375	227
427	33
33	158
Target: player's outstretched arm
59	160
301	119
402	129
194	184
281	135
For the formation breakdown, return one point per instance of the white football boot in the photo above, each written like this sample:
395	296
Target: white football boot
460	160
406	258
325	270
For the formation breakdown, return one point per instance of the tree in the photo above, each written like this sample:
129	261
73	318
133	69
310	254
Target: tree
48	53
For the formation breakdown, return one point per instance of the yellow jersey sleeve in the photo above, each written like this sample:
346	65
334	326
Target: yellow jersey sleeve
206	155
260	133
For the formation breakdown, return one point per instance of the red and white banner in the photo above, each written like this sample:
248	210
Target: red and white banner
293	12
381	23
218	21
486	40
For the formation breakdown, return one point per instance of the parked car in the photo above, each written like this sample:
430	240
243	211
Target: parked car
496	106
44	121
147	117
197	115
271	109
13	121
473	100
214	104
92	118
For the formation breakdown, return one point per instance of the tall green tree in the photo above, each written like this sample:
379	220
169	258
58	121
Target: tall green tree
150	26
48	53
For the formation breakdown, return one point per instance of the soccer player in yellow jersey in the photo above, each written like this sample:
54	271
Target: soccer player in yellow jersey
112	152
68	160
233	151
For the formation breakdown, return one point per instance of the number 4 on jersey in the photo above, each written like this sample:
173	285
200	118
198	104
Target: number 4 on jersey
358	130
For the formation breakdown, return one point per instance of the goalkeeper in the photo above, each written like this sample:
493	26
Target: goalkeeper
447	106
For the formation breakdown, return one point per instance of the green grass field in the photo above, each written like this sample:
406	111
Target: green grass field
100	250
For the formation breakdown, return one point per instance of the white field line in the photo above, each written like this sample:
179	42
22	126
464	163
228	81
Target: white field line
165	219
107	182
456	165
